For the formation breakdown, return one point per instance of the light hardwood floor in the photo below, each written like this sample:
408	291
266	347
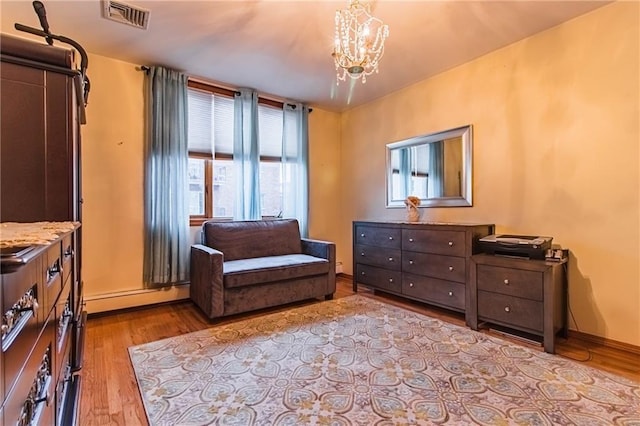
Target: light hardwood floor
110	393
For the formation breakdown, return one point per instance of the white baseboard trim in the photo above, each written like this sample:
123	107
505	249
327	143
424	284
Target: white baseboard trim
133	298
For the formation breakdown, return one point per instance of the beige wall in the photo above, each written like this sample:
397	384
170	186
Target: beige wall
324	177
112	161
112	182
556	135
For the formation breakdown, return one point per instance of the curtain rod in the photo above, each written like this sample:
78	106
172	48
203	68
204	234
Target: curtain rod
146	69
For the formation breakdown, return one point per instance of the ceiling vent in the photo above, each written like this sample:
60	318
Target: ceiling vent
125	13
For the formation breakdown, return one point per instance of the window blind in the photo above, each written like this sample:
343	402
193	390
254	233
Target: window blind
200	119
270	131
223	124
210	122
211	125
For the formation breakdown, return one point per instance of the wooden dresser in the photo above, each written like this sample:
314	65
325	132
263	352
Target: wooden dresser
38	384
428	262
520	294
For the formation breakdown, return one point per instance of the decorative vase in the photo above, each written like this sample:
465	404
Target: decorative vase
413	215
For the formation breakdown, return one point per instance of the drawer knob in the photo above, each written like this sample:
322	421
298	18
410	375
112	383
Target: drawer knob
362	235
410	262
391	259
450	268
390	280
506	281
410	284
450	293
391	238
410	240
54	269
450	243
362	273
362	254
507	309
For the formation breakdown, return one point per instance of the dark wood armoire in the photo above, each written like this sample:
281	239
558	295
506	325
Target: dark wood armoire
42	109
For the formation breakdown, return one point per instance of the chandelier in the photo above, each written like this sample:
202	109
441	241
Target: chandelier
359	42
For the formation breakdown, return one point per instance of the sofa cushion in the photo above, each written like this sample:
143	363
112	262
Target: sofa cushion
243	272
250	239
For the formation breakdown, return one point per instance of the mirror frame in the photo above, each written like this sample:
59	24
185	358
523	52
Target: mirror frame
465	200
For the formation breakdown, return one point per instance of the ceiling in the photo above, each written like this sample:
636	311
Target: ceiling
283	48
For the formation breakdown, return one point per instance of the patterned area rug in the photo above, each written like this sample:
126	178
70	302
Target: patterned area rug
355	361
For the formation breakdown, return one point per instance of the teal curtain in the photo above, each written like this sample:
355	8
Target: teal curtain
295	159
405	172
246	156
435	187
166	211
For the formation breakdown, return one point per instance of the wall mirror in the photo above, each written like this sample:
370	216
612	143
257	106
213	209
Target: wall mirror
435	168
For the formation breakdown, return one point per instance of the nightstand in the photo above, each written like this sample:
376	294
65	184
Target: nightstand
520	294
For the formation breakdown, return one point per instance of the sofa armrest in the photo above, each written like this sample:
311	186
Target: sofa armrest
207	289
318	248
323	250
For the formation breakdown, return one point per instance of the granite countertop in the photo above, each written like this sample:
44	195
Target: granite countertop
19	242
21	234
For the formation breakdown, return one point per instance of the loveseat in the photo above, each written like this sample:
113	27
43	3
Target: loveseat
242	266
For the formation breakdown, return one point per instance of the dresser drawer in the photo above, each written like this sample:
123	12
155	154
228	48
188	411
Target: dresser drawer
21	338
21	319
510	281
36	375
441	292
451	243
67	258
376	256
383	279
378	236
511	311
52	269
435	265
64	380
62	324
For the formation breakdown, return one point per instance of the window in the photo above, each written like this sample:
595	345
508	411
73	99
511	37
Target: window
212	187
271	180
196	187
210	155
